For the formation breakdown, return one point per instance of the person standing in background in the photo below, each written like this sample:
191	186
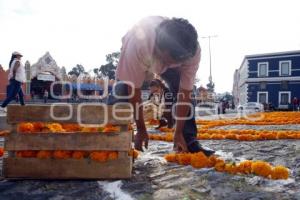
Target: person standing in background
46	96
16	78
295	103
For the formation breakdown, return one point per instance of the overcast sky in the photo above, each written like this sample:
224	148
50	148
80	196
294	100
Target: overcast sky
84	31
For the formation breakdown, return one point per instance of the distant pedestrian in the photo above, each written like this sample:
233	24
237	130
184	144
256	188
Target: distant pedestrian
46	96
32	95
295	104
16	78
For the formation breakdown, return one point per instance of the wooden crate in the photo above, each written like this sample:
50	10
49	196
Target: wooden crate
34	168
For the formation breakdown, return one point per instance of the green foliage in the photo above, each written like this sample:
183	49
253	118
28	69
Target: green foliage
77	70
110	67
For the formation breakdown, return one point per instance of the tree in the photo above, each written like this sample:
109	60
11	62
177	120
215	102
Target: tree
210	86
77	70
110	67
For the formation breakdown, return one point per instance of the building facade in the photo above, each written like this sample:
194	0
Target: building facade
272	78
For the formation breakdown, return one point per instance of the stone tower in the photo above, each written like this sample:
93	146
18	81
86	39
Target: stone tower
28	77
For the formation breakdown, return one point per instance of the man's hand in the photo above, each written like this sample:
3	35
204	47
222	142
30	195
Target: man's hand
141	138
179	143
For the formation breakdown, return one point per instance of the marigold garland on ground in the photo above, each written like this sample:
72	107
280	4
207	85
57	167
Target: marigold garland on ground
259	168
271	118
242	135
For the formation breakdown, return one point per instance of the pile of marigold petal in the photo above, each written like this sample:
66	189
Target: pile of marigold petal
101	156
259	168
39	127
271	118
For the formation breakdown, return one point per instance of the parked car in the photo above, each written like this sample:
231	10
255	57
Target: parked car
251	107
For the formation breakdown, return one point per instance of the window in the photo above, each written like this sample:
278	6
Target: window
263	69
285	68
262	97
48	60
284	98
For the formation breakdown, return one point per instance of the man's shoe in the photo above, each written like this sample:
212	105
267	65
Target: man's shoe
195	147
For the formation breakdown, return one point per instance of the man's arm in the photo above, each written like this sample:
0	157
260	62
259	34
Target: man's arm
142	136
182	110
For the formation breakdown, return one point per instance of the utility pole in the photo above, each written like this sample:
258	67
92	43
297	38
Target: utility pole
210	85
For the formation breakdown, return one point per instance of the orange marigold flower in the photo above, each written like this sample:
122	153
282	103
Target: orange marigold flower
184	158
62	154
38	126
153	122
247	137
79	154
44	154
282	135
244	167
230	136
25	127
1	152
111	129
261	168
89	129
280	172
199	160
55	127
212	160
217	137
268	136
171	157
113	155
169	137
166	129
231	168
100	156
26	154
204	136
71	127
220	165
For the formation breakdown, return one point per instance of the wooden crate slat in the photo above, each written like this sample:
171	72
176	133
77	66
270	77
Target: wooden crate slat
70	141
35	168
90	114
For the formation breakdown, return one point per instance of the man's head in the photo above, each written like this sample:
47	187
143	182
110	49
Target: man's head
176	40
